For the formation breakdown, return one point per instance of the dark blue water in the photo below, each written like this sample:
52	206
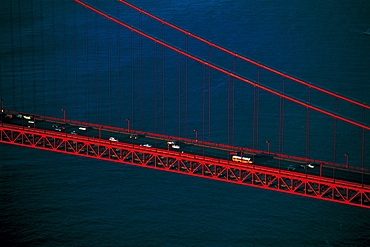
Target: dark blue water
58	55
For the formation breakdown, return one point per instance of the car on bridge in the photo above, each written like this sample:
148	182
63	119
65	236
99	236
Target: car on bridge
58	127
292	167
113	139
136	136
241	159
308	165
173	144
311	165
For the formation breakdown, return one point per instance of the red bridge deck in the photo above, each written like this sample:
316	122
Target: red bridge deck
187	162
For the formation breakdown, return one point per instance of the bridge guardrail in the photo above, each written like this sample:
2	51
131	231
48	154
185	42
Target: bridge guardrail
190	141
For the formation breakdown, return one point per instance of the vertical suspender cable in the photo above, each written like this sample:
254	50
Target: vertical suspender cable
87	68
228	108
308	126
203	100
141	72
33	59
54	60
12	50
109	74
186	85
223	70
132	77
65	59
163	79
155	87
209	94
281	138
257	109
255	114
96	70
244	58
363	145
75	58
118	76
1	88
21	72
179	95
254	118
335	133
12	14
43	92
233	104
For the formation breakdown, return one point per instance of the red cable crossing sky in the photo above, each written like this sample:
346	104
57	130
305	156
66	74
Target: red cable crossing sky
223	70
244	58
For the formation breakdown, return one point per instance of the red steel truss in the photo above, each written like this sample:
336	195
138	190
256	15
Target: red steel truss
195	165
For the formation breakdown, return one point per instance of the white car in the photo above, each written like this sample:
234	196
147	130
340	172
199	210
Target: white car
175	146
146	145
113	139
82	128
310	165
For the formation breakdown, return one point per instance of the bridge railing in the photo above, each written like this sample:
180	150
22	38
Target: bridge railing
170	153
186	140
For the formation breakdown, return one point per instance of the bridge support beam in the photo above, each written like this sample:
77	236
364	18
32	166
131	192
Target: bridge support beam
195	165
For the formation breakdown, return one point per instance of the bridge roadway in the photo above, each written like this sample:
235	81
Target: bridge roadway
193	147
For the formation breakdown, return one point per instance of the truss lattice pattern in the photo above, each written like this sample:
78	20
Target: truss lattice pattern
224	170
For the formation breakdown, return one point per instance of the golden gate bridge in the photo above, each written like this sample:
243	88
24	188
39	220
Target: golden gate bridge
311	177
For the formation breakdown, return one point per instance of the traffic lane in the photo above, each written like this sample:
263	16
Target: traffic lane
346	175
327	172
264	160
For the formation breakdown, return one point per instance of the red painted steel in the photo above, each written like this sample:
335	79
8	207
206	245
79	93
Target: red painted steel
244	58
223	70
195	165
202	143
